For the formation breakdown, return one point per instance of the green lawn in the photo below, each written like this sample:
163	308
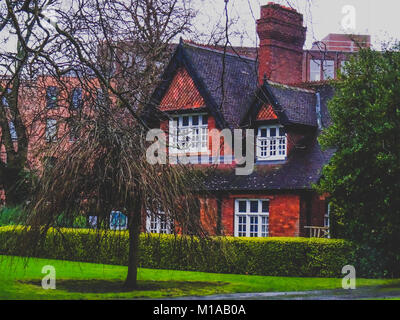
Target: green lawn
94	281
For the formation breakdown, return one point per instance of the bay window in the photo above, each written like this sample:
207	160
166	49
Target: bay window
188	133
251	218
271	143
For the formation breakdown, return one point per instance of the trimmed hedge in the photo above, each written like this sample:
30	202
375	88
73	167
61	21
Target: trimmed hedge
258	256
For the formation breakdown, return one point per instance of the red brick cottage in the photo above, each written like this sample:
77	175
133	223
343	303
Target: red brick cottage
204	89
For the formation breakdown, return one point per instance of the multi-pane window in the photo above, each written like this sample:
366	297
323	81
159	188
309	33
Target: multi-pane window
328	69
315	70
51	130
13	132
158	223
51	97
322	70
76	99
189	133
271	143
251	218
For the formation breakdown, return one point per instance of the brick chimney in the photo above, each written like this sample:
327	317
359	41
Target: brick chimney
282	36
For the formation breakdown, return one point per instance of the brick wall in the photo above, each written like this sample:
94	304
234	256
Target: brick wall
284	213
282	38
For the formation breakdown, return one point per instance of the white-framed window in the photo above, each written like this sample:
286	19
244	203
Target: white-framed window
158	223
251	218
271	143
188	133
315	70
51	130
328	69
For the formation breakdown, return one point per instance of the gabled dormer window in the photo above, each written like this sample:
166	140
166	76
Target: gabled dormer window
188	133
271	143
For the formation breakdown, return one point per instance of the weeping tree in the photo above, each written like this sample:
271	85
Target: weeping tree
116	48
107	169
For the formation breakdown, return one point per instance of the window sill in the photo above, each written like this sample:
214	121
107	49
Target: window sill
273	161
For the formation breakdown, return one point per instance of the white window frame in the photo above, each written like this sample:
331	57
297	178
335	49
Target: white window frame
314	65
156	224
271	148
328	69
190	138
261	217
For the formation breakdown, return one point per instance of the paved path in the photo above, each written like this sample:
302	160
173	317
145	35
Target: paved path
337	294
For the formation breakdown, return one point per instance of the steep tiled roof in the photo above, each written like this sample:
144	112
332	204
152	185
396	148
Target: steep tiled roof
232	92
229	85
298	104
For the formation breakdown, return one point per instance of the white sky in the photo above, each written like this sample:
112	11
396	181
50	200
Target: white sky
379	18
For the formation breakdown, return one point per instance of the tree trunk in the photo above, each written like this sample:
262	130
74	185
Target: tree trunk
134	226
13	186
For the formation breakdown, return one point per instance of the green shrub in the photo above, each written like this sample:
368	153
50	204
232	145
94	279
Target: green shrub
10	216
261	256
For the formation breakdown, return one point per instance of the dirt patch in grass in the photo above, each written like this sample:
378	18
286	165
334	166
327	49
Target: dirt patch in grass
116	286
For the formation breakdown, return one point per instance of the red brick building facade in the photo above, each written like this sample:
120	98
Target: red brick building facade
276	199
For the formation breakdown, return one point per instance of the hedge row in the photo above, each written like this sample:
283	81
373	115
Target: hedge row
258	256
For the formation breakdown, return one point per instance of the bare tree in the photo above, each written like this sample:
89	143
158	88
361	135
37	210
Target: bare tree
113	51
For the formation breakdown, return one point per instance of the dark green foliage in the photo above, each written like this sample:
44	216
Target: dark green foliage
269	256
363	177
10	216
64	221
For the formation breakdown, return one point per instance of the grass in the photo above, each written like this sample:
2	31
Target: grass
21	279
